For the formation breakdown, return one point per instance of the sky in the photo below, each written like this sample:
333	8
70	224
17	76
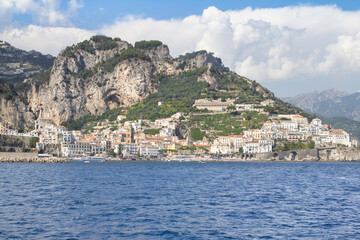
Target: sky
290	47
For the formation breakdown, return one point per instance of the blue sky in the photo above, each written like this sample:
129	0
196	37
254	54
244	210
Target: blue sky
95	13
291	47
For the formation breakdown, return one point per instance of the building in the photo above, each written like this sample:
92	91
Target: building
338	136
82	148
129	149
213	105
148	150
42	123
129	139
258	146
163	122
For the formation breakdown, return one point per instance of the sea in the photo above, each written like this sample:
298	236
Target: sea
180	200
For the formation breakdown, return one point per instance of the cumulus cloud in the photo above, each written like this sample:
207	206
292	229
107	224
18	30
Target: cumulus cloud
270	45
263	44
50	40
44	12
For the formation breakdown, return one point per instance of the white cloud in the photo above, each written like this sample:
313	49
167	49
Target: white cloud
49	40
44	12
269	45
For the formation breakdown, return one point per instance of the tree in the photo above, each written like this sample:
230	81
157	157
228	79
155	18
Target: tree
112	153
120	150
311	144
197	134
241	150
33	142
231	108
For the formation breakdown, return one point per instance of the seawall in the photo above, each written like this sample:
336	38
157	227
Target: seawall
29	157
317	154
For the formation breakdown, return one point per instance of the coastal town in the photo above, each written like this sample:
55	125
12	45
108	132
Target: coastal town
154	139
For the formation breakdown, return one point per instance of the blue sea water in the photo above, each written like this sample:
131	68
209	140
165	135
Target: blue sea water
171	200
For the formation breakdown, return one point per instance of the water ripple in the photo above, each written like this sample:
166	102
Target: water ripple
154	200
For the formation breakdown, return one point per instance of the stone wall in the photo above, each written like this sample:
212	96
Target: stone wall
330	154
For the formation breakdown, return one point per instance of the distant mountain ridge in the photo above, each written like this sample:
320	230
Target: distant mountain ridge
17	64
329	103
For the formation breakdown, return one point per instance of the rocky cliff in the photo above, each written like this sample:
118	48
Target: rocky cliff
14	109
103	73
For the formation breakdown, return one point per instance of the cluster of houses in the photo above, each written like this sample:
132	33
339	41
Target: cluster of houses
282	128
131	138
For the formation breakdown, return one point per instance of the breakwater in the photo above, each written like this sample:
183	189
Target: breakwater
311	155
30	158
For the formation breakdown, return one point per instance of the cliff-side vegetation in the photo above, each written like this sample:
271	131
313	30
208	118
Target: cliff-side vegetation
295	146
175	94
127	54
81	122
146	45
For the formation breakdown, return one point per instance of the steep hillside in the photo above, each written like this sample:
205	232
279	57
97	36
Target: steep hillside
17	64
14	108
104	77
103	73
329	103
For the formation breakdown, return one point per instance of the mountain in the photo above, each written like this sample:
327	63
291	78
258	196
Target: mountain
329	103
14	108
104	77
17	64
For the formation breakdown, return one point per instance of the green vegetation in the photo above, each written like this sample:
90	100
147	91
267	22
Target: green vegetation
296	146
9	92
197	134
129	53
33	142
146	45
177	94
287	108
42	78
232	86
192	55
85	73
104	43
112	153
152	131
86	46
228	124
100	43
110	115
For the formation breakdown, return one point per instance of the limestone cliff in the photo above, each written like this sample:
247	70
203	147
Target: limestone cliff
103	73
14	110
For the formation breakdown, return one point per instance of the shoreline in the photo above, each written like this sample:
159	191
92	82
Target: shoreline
199	160
33	160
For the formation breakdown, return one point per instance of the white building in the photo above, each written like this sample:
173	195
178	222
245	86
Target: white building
129	149
148	150
299	119
167	132
163	122
259	146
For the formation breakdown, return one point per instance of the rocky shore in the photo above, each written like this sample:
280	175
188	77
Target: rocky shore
30	158
34	160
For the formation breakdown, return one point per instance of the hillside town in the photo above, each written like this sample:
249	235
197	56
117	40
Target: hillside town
19	64
138	138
